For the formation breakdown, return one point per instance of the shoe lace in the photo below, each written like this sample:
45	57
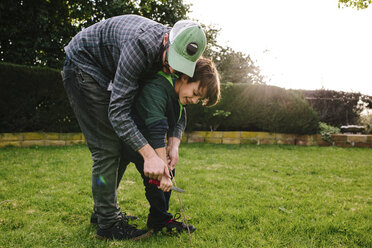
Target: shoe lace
124	215
176	217
127	228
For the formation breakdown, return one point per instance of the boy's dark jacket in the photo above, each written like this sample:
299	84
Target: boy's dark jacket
157	109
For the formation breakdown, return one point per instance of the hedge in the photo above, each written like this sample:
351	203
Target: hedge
247	107
338	108
33	99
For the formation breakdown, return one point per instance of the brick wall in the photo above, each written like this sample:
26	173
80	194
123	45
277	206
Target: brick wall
264	138
258	138
40	139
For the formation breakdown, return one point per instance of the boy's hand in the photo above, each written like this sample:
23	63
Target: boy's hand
172	152
172	157
165	183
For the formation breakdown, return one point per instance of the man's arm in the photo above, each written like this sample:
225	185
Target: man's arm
165	182
133	61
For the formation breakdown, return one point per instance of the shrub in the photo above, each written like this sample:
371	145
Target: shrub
326	131
337	108
256	108
33	99
366	121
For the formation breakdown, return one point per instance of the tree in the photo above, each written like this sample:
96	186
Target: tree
337	108
359	4
233	66
35	32
237	67
93	11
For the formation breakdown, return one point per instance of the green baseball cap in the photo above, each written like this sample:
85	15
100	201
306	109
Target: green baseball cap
187	43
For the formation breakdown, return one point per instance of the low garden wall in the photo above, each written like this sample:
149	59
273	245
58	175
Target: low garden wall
258	138
41	139
264	138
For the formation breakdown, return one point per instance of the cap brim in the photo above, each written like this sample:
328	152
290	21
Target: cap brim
179	63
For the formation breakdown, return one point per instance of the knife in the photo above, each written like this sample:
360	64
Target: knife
157	183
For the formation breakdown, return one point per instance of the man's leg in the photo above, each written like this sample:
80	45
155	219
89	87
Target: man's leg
123	164
90	104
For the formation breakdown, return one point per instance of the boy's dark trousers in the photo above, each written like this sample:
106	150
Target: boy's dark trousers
159	200
90	103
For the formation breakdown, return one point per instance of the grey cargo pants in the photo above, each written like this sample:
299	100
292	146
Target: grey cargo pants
90	104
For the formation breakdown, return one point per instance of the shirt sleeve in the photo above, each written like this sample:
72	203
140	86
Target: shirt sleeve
180	127
156	133
135	58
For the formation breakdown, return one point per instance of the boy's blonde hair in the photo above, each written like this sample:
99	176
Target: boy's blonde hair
206	72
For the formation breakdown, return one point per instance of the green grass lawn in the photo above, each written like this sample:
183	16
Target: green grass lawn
237	196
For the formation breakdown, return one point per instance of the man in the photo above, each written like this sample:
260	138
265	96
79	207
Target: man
104	63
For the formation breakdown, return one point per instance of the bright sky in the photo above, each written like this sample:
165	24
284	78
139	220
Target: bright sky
298	44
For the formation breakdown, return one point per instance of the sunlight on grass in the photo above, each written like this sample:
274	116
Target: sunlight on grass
236	196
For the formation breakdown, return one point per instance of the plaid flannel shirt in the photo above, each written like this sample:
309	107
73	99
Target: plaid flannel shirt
117	52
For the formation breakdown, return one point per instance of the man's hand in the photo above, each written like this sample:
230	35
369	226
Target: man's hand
172	152
154	167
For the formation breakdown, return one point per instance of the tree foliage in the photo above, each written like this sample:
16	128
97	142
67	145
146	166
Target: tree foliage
237	67
358	4
337	108
35	32
234	66
366	121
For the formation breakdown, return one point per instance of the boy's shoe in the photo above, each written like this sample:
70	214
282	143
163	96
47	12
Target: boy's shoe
121	230
171	226
124	216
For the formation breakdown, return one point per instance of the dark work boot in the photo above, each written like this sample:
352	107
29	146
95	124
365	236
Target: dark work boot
94	218
121	230
171	226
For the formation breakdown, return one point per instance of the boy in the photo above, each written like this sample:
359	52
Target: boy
157	109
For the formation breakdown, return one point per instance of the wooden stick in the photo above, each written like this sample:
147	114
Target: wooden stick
183	214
